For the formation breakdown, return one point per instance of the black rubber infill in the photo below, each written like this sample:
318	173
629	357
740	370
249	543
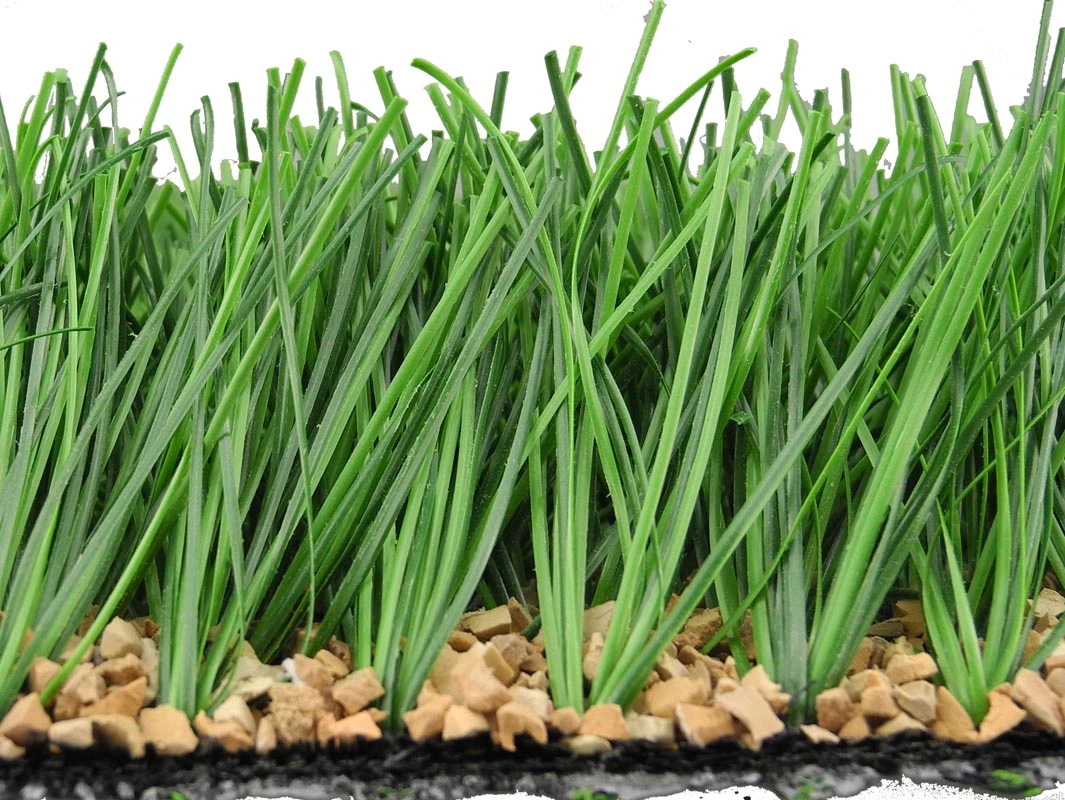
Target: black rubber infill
396	767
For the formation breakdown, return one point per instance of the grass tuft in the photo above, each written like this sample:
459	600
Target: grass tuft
364	377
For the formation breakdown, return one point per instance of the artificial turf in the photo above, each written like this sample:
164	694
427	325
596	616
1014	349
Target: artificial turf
360	376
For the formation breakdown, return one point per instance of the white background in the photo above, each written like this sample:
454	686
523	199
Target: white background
227	41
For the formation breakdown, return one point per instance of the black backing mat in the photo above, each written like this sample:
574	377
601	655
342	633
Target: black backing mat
396	768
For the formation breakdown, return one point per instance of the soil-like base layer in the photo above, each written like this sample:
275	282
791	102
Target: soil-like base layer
395	767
